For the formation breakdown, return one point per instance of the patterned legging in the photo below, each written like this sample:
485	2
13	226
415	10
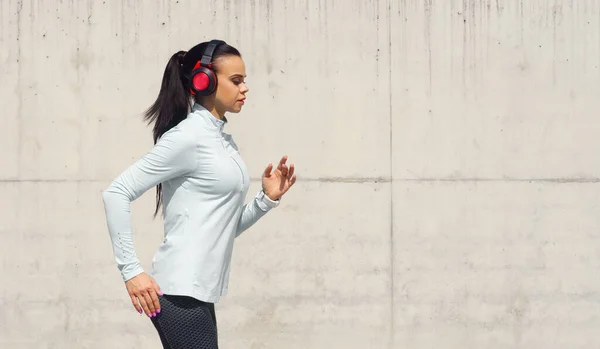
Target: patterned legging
186	323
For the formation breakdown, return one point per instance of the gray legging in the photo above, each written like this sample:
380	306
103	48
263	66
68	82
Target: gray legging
185	322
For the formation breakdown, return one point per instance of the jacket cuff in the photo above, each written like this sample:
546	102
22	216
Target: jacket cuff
130	273
264	202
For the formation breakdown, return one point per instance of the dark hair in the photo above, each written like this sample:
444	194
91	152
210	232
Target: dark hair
174	98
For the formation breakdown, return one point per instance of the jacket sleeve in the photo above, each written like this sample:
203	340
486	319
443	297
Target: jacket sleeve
254	210
172	156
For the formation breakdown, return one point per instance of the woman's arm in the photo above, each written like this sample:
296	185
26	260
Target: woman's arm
172	156
275	183
255	210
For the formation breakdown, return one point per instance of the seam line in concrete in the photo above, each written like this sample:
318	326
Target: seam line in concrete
354	180
505	179
390	179
19	92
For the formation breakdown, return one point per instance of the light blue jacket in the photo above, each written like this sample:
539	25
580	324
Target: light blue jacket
205	182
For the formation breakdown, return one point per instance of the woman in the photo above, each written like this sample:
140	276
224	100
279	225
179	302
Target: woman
201	184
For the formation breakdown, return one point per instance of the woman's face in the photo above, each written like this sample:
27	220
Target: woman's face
231	87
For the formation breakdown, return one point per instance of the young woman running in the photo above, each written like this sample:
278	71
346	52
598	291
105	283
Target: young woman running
201	183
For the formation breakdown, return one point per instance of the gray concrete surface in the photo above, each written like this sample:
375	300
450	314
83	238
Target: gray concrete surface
447	154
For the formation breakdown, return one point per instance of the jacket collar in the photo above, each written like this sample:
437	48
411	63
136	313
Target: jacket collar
200	110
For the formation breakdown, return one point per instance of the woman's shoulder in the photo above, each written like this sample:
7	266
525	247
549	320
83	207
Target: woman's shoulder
184	134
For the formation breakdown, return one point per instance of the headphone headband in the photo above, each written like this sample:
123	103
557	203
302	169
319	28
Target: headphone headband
210	50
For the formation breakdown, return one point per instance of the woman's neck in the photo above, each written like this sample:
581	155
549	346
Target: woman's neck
210	106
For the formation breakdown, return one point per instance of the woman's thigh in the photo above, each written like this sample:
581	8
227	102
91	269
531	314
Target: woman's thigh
186	323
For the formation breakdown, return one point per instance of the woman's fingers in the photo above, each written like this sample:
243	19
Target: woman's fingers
149	302
157	289
282	162
142	299
268	170
135	303
155	301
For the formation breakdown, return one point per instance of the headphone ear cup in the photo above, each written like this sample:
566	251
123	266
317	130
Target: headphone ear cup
203	81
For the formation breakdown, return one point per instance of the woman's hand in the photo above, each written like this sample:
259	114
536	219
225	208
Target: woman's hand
276	183
143	289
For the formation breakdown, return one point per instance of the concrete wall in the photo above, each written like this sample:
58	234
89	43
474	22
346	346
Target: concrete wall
447	154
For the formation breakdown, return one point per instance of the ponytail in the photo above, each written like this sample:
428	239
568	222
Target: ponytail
170	108
173	101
